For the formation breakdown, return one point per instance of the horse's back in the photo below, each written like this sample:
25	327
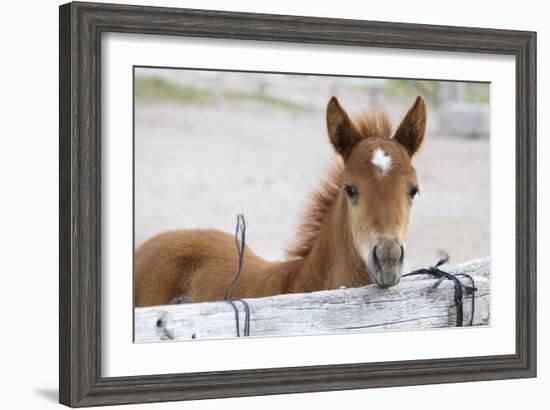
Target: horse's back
195	263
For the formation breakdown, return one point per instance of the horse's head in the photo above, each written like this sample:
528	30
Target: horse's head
379	184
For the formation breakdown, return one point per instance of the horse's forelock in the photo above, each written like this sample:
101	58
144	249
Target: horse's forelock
375	124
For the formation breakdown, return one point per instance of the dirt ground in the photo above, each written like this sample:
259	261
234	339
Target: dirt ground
198	166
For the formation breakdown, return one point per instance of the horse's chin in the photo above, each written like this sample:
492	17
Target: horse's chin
386	286
385	279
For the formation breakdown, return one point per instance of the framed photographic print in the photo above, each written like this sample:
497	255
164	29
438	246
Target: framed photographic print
283	203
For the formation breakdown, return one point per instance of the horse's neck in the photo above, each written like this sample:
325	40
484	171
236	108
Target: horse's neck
333	262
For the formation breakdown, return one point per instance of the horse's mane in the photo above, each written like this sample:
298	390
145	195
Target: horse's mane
322	200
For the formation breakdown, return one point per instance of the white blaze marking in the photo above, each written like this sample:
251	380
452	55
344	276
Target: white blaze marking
381	160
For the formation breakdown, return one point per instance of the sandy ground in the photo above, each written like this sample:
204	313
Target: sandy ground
197	167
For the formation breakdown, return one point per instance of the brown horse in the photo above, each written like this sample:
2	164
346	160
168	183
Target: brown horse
353	235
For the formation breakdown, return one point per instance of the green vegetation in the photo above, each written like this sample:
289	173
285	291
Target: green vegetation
428	89
160	89
477	93
157	89
472	92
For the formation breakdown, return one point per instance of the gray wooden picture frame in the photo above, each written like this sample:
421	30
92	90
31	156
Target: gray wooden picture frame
81	27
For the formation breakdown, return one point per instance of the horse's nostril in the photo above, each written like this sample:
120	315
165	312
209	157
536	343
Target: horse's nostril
402	254
375	257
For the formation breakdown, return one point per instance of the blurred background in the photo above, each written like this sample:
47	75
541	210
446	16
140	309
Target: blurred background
211	144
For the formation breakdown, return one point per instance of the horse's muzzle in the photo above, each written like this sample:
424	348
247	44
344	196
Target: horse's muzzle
387	262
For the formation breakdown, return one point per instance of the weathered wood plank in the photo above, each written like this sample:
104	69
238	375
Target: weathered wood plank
413	304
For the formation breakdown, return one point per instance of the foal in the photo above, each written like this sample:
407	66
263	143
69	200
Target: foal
353	235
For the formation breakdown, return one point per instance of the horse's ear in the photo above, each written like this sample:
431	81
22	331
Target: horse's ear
411	131
341	131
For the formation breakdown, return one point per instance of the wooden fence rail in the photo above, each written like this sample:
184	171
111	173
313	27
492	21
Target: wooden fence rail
413	304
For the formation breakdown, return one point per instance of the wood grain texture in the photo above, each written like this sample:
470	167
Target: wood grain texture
81	27
412	305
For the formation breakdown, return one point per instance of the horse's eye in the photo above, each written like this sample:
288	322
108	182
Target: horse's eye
351	192
414	191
